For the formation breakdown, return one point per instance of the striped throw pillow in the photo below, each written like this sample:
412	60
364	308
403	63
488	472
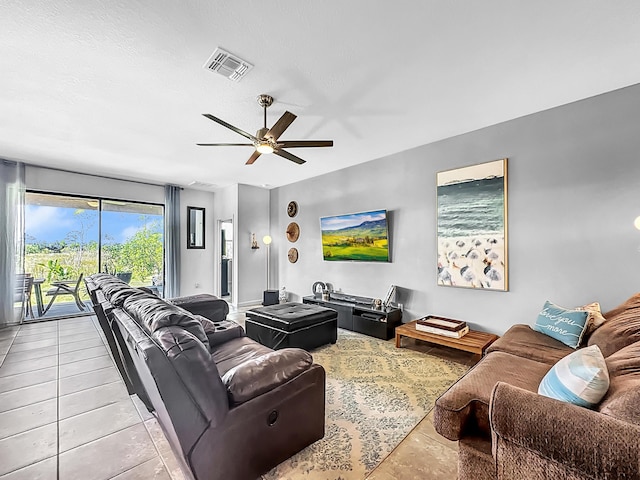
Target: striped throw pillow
580	378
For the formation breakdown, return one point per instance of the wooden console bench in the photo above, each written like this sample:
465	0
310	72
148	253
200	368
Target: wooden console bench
474	341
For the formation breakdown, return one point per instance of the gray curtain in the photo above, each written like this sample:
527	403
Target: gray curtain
11	237
171	241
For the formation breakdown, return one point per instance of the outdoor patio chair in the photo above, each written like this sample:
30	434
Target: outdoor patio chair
67	287
22	294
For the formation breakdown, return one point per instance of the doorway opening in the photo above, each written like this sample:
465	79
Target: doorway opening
226	260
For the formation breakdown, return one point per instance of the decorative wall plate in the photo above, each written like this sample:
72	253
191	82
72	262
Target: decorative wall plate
293	255
292	209
293	232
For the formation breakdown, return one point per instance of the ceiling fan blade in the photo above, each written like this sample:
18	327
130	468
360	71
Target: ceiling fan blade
225	144
289	156
281	125
306	143
230	127
253	158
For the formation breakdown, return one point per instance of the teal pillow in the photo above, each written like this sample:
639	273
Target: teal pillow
563	324
580	378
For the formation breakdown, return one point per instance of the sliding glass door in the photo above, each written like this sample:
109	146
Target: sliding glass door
61	245
69	237
132	242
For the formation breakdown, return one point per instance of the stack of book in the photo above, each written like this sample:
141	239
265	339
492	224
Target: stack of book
442	326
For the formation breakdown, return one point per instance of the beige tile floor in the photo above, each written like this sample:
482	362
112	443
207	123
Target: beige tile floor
65	414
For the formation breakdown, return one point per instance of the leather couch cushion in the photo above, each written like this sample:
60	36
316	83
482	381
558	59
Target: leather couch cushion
464	408
621	328
220	331
523	341
195	371
114	288
622	401
118	297
153	313
262	374
102	278
236	351
111	285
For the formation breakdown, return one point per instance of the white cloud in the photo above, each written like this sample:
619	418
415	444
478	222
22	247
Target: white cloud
42	220
129	232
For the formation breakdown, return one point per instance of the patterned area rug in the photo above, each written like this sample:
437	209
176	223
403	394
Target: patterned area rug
375	394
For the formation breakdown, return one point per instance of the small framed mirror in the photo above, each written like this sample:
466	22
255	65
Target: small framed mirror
195	227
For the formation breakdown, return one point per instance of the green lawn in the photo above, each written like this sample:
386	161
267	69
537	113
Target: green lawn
337	248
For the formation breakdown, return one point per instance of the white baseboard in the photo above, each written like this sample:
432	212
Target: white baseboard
251	303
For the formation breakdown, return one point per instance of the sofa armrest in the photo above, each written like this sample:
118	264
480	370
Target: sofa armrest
260	375
560	436
208	306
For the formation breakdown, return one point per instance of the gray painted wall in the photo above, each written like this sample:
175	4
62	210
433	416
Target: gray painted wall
196	265
253	217
574	192
248	206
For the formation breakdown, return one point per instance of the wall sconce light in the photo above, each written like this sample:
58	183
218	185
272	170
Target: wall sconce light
254	242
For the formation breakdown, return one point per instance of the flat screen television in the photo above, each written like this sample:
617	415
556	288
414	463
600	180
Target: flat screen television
360	237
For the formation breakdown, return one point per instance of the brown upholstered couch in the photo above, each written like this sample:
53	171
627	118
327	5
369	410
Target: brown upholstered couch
505	430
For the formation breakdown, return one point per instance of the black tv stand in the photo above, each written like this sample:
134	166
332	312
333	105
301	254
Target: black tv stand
360	315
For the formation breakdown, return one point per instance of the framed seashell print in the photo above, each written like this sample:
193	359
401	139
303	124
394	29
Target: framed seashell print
472	226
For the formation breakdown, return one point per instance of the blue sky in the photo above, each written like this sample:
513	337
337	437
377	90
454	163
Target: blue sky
354	219
52	224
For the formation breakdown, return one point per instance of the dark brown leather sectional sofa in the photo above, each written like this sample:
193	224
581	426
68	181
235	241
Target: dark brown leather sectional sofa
230	407
506	431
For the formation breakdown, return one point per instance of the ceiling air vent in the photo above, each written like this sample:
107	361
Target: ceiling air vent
227	65
200	185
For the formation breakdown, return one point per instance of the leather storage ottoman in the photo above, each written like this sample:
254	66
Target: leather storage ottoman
207	305
295	325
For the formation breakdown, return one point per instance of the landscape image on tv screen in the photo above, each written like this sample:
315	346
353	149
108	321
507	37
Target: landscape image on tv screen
356	237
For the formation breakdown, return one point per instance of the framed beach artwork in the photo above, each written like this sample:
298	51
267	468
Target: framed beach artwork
472	226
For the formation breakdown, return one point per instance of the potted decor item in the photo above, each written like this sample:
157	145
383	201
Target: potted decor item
282	296
124	276
120	268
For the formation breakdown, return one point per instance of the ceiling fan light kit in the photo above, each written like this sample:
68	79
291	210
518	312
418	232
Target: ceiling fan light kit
265	148
266	139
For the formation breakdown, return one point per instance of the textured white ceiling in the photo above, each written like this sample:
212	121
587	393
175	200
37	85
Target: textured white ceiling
118	88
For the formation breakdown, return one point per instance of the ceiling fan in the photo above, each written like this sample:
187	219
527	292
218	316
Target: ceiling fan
266	139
